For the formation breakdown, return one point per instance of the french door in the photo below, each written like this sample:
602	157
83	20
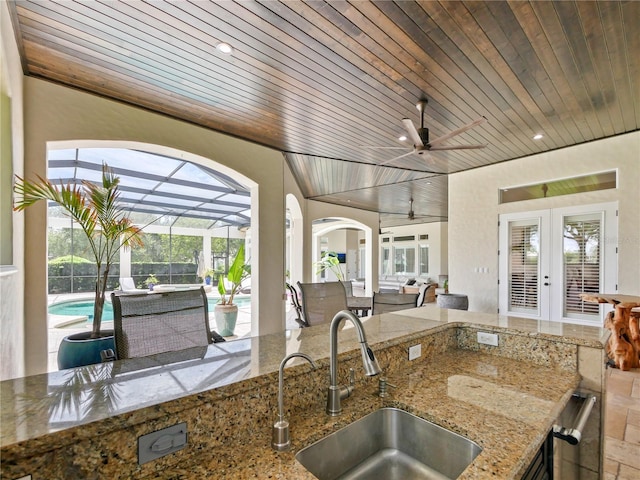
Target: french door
549	257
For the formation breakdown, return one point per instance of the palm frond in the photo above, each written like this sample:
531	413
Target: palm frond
95	208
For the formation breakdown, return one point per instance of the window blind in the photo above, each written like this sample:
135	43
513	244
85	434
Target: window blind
581	263
523	266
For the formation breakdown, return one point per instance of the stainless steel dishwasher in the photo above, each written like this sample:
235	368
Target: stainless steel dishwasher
559	456
577	439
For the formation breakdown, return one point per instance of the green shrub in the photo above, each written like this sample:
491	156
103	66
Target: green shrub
84	273
68	259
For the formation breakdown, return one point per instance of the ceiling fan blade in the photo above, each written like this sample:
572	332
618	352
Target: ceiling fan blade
413	133
382	148
396	158
458	147
415	215
429	159
403	215
458	131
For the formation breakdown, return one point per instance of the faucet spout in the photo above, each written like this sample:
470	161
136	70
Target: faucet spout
371	367
280	440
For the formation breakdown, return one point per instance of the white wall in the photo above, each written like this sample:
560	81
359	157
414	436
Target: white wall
12	338
474	210
57	114
336	242
295	242
351	243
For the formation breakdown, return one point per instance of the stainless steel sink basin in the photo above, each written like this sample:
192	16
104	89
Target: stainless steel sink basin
391	444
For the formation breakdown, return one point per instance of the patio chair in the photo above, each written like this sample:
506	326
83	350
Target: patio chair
392	302
321	301
295	301
127	285
348	288
162	322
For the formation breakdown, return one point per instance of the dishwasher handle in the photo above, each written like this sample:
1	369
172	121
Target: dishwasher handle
574	435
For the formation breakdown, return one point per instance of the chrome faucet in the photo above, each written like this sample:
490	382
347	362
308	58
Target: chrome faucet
280	440
371	367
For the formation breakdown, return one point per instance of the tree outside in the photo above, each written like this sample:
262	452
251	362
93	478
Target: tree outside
175	256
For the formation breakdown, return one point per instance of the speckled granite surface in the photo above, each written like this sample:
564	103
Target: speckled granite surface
84	423
505	408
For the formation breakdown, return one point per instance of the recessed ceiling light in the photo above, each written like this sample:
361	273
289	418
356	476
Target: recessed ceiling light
402	138
224	48
538	136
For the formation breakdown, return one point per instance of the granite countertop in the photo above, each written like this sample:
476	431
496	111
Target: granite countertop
505	405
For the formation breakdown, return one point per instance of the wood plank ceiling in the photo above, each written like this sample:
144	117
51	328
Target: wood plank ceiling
326	82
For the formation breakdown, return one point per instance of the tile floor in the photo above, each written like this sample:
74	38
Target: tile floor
622	425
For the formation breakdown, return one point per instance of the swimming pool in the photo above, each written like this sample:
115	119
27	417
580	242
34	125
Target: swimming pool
80	308
84	308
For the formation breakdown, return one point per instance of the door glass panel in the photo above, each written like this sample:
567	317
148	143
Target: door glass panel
551	256
581	263
524	248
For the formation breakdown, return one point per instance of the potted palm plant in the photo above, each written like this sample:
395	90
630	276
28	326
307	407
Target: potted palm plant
94	207
226	312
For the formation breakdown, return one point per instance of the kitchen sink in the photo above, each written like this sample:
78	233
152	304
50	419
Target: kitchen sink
391	444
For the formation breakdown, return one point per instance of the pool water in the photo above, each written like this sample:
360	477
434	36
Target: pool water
77	308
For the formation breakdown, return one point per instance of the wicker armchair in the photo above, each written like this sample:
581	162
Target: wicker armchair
161	322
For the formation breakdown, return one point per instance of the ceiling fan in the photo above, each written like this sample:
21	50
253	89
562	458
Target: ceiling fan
420	137
411	215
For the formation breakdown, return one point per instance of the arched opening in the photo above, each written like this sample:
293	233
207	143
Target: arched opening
294	240
194	213
352	241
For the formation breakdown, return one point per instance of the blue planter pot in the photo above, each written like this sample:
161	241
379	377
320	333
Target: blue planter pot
78	349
